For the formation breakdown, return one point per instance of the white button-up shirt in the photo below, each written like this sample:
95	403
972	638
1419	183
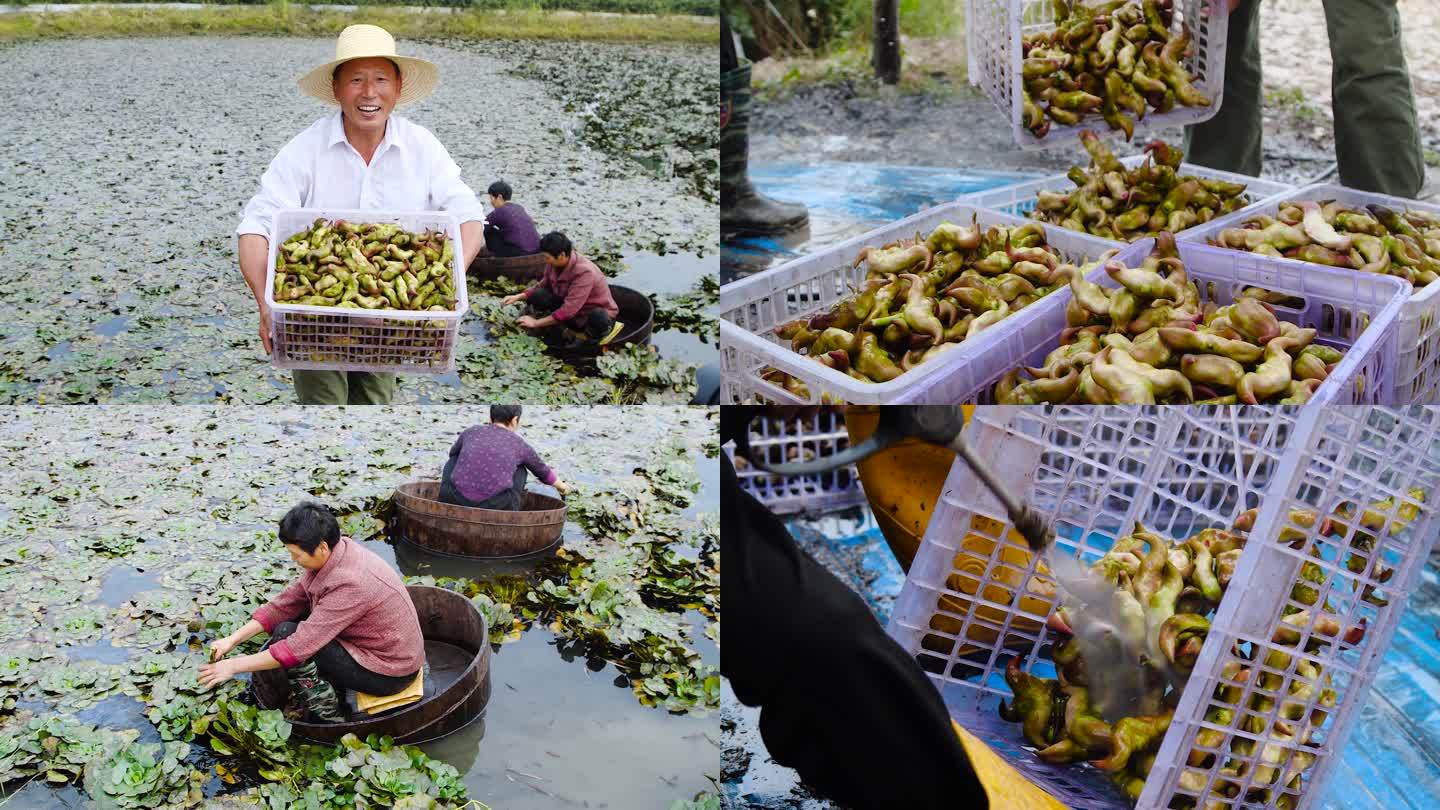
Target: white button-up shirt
410	171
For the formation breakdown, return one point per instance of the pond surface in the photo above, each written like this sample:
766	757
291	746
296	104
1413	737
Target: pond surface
193	493
122	198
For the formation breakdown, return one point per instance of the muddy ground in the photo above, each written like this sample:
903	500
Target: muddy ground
949	123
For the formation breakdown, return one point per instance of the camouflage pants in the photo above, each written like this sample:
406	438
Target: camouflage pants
734	128
311	693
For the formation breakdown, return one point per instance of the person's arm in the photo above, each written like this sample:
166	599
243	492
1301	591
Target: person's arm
523	294
214	674
332	613
534	464
575	298
220	669
287	606
472	238
282	186
221	648
254	249
792	617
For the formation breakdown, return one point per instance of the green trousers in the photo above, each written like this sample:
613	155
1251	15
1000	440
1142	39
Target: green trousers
343	387
1377	138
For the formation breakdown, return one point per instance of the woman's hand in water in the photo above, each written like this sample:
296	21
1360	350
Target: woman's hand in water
212	675
512	299
222	648
563	488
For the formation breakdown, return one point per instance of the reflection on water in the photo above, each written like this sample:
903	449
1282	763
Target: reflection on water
121	711
557	734
414	561
562	729
671	274
122	582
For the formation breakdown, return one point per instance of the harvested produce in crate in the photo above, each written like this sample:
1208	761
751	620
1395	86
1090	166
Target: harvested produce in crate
1150	341
1165	594
1114	202
354	266
1372	239
922	297
1110	57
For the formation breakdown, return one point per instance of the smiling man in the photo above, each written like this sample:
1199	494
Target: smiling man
359	157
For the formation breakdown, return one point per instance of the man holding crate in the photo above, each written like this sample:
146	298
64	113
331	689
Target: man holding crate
359	157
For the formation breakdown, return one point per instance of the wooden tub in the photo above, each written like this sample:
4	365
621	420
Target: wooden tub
637	312
457	678
463	531
527	269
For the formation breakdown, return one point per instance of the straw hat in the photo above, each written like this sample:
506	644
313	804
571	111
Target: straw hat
418	77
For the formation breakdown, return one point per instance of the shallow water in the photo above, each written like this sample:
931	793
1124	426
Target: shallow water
559	734
560	727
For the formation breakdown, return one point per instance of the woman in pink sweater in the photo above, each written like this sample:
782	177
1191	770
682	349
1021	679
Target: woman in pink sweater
572	294
346	623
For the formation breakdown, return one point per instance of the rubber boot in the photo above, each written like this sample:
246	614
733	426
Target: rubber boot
743	210
314	694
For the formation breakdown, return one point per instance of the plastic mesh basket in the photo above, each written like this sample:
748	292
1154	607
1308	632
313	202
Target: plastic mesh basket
1355	312
1095	472
1019	199
751	307
999	25
331	338
800	440
1416	376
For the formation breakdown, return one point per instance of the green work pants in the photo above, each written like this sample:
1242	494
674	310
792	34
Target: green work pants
1377	139
343	387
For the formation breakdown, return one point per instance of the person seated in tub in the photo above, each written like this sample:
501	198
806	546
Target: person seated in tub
346	623
509	231
357	157
573	293
488	464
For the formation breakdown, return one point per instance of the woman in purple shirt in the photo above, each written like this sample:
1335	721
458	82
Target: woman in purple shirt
487	466
509	231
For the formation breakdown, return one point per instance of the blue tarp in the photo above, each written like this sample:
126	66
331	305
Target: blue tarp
848	199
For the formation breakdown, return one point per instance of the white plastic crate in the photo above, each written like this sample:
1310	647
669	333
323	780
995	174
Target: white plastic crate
994	29
1019	199
1098	432
336	339
1417	362
804	439
1281	460
750	308
1353	311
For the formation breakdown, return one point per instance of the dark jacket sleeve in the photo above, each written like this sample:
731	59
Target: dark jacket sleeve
840	701
735	420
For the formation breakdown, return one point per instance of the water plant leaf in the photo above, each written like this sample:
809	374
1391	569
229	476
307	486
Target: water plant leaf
143	775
